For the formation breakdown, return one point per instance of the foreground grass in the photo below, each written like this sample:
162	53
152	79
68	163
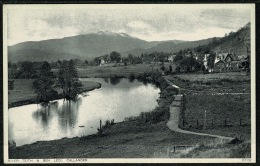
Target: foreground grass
23	92
122	140
217	149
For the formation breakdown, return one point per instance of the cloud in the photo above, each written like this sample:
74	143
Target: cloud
147	22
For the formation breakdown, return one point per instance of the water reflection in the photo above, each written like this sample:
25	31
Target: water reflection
106	80
68	113
115	80
43	115
131	79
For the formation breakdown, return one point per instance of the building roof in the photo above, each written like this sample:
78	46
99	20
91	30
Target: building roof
220	61
234	57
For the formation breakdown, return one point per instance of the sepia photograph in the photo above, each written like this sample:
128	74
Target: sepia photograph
129	83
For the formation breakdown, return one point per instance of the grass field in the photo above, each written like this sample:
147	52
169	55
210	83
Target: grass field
121	71
226	111
23	91
216	77
237	82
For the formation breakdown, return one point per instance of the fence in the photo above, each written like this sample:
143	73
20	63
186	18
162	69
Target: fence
214	122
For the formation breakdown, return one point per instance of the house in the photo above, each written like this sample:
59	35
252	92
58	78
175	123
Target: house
171	58
102	61
224	62
205	60
220	66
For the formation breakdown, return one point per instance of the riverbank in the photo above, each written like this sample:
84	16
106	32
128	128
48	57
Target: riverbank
23	92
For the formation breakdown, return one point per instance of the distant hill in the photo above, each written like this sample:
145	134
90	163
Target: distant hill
38	55
170	46
235	42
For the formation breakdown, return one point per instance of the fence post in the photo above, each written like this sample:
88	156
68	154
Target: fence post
205	120
100	127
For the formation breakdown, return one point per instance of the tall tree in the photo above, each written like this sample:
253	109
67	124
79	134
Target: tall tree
115	57
27	70
130	58
211	61
68	79
44	84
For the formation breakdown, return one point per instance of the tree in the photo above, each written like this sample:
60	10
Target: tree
130	58
12	67
43	85
68	80
115	57
211	61
97	61
125	60
86	62
170	68
162	68
27	70
189	64
177	69
178	57
10	85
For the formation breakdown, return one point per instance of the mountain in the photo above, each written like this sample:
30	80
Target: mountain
84	46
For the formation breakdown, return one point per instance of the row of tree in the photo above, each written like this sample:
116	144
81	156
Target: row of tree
46	82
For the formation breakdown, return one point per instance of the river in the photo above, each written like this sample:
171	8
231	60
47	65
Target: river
116	99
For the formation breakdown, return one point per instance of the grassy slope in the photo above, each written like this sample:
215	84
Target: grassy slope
122	140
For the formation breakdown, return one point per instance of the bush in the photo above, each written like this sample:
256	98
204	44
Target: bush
177	69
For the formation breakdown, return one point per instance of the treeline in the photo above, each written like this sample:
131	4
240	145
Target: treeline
46	83
115	57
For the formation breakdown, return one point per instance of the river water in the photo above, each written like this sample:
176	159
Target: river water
116	99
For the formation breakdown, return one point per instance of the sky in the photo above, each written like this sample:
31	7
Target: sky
147	22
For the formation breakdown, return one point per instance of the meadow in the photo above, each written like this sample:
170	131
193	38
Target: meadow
119	70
